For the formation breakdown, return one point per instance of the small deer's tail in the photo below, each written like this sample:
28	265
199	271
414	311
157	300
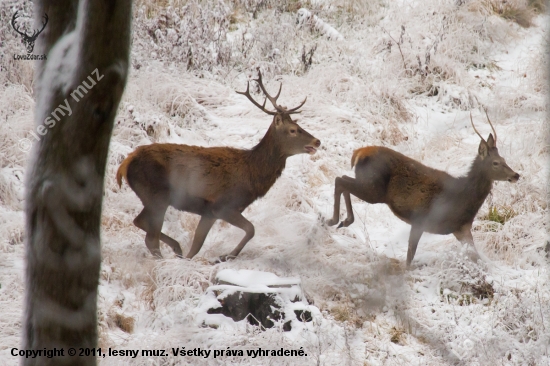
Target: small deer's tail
123	169
354	157
362	153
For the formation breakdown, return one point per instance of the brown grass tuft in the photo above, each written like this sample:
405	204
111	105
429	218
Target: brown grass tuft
521	12
125	323
397	335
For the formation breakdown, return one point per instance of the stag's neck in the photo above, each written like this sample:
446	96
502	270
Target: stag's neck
266	162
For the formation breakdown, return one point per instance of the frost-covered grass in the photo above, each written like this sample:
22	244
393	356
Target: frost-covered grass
403	74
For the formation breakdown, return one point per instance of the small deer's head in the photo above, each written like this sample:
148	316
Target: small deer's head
292	138
494	165
28	40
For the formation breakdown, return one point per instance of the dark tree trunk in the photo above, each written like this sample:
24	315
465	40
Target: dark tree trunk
86	41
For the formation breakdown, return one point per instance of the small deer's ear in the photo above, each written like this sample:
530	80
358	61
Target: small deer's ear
278	120
491	141
483	149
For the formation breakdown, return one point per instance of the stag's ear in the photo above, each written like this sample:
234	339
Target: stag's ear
491	141
483	149
278	120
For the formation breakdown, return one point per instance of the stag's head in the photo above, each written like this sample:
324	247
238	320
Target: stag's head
493	164
292	138
27	40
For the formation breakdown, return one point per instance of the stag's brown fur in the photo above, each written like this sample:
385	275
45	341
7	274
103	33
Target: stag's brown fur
214	182
428	199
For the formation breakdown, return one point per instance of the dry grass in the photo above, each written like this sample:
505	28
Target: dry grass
125	323
521	12
345	313
397	335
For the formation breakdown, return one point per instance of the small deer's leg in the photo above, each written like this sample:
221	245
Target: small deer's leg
414	237
347	185
235	218
343	185
141	222
464	235
337	193
347	199
204	226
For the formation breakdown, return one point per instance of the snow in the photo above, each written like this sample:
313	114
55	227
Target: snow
248	278
367	309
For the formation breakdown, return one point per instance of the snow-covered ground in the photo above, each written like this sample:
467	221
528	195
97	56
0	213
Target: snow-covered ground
371	82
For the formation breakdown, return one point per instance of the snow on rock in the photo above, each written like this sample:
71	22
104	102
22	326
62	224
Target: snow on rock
261	298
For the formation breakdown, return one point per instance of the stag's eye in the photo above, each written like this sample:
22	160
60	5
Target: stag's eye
495	163
293	131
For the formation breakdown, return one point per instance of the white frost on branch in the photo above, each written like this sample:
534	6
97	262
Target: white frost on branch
306	18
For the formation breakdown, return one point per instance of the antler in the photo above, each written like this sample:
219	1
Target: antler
247	94
471	120
14	26
487	115
295	110
494	131
273	100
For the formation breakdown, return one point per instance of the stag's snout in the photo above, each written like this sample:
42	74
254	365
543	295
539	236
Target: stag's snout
312	148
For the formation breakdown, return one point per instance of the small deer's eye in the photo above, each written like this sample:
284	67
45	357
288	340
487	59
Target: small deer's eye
495	163
293	131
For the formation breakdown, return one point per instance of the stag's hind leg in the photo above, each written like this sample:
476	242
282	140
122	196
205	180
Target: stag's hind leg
150	220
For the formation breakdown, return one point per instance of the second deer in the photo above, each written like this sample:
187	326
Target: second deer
213	182
429	200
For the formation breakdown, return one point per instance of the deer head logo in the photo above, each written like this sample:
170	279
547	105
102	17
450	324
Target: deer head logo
28	40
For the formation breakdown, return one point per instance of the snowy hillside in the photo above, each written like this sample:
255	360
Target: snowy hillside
403	74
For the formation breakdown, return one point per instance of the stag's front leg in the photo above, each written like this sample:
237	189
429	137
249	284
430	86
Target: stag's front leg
235	218
204	226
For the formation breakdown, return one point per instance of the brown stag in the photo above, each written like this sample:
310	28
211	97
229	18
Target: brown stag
213	182
429	200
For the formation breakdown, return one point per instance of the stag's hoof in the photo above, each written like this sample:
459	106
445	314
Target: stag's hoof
157	255
331	222
347	222
225	258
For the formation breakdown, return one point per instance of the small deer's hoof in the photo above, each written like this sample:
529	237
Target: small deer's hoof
331	222
225	258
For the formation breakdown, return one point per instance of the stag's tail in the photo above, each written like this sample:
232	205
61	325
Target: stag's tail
123	169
